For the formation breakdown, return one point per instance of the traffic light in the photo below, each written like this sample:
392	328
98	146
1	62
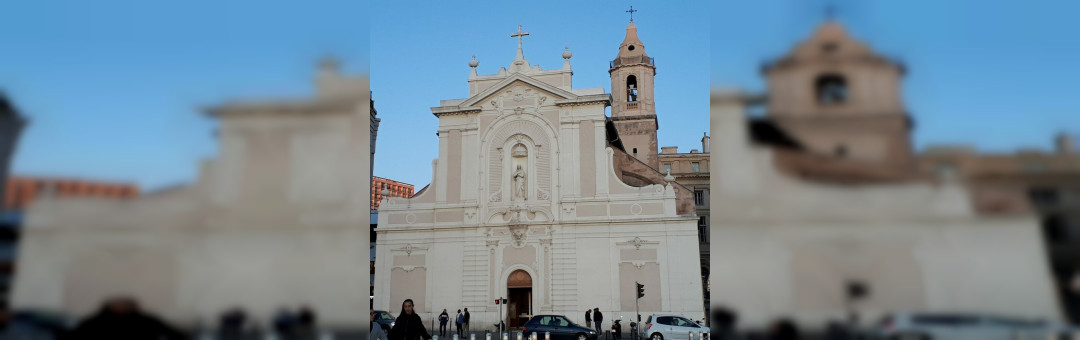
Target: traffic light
640	290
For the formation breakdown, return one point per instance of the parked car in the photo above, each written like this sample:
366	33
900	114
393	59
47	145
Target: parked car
560	327
384	319
929	326
670	327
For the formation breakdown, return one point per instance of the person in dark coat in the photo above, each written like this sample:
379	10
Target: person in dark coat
443	319
465	322
233	323
121	319
588	318
598	319
408	325
784	329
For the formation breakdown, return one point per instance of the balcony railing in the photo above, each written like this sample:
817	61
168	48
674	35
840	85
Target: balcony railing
632	61
632	106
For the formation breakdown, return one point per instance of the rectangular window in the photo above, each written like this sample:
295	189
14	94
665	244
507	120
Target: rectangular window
703	229
696	166
667	168
1043	196
699	197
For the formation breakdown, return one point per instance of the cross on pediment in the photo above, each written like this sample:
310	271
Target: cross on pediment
520	55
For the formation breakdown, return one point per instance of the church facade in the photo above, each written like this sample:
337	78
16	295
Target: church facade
539	198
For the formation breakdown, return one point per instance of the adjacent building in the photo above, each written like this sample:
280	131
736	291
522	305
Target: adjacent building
393	189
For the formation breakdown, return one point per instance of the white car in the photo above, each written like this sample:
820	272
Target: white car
670	327
931	326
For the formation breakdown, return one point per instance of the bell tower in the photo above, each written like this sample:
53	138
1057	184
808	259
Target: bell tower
633	110
841	99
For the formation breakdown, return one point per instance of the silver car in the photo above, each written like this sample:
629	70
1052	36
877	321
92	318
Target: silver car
927	326
671	327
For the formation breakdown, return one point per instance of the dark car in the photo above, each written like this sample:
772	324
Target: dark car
560	328
384	319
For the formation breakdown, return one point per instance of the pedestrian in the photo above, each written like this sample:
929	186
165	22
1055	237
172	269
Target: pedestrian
121	318
588	318
784	329
598	320
465	322
306	325
458	320
723	323
15	329
443	318
232	324
408	325
284	322
377	332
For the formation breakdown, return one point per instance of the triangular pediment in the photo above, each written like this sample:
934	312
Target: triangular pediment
512	81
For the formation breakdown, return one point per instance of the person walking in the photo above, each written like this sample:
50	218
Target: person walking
121	318
408	325
458	320
598	320
465	321
443	318
588	318
377	332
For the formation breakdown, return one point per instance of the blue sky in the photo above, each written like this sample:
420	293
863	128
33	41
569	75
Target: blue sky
113	88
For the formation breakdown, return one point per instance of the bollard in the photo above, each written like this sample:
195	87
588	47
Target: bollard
455	337
435	337
488	336
547	335
472	336
533	336
506	336
521	335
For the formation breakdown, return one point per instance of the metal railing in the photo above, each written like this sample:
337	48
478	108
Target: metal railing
632	61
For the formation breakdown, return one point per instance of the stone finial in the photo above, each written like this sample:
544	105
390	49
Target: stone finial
473	63
567	54
669	178
1064	143
329	64
385	192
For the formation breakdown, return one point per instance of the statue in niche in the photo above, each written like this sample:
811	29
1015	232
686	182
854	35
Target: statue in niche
520	176
520	192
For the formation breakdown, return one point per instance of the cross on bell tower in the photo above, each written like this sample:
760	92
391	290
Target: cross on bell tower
631	11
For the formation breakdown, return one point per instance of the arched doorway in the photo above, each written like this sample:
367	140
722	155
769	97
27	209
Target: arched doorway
519	291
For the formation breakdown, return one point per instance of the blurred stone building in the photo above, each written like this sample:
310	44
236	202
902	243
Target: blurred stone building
1043	182
274	221
21	191
823	212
